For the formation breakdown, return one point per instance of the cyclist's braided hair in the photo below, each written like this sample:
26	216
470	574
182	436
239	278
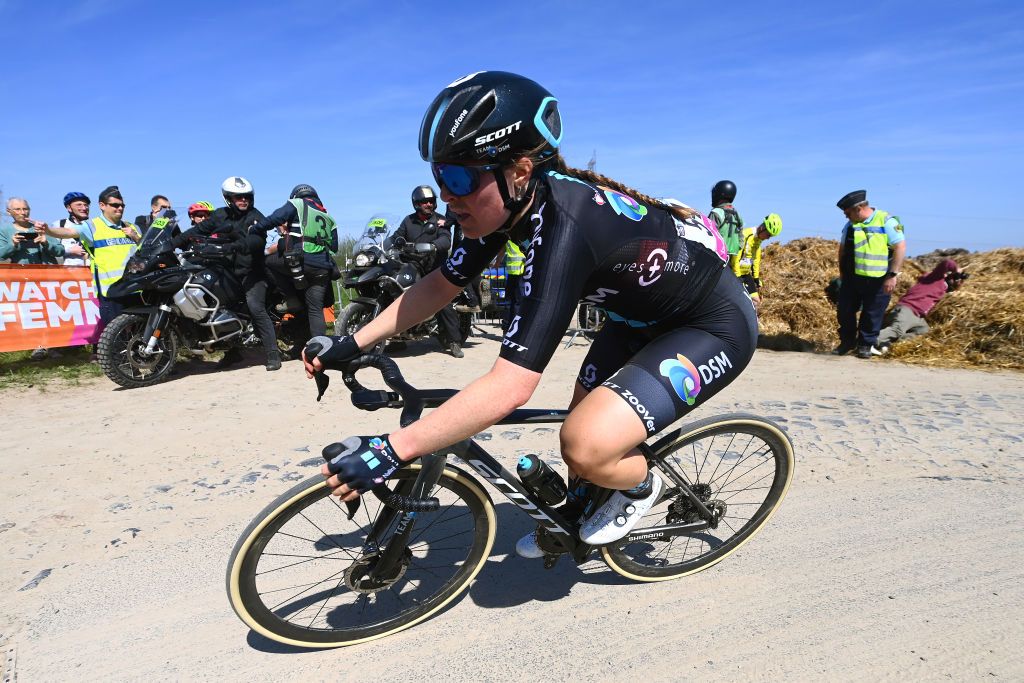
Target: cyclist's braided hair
557	163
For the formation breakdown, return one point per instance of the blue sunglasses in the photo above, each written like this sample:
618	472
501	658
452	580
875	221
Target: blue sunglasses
460	180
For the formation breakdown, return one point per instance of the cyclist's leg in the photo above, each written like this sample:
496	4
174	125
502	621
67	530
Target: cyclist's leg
666	379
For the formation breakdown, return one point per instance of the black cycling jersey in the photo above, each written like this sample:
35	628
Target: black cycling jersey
640	264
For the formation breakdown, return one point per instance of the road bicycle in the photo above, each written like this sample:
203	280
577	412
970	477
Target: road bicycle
311	571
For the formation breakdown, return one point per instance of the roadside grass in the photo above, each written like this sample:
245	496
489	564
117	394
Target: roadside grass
71	367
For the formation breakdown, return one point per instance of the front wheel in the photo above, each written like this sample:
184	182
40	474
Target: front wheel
301	571
739	466
122	355
354	317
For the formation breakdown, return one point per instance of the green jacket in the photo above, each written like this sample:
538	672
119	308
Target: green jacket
34	254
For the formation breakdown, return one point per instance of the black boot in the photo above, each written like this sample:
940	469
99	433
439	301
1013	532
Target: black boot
232	356
273	361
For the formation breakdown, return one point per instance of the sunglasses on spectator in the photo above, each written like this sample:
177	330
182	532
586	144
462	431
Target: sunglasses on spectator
460	180
426	201
115	205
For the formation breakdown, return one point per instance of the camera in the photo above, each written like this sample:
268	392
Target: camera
957	277
28	236
293	260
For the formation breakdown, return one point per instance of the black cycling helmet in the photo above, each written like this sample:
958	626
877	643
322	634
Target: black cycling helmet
421	193
490	117
723	192
304	191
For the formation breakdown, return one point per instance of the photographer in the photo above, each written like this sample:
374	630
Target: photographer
906	319
24	242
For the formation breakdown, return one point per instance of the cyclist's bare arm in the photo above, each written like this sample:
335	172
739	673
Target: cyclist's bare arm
419	302
480	405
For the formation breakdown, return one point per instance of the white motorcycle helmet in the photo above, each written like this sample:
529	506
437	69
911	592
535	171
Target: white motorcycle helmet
235	186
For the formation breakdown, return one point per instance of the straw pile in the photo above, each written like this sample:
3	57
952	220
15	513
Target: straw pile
982	324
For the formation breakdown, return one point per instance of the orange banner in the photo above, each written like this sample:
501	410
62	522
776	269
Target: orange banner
46	306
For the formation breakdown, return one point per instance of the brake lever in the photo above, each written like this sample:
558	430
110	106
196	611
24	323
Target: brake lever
322	382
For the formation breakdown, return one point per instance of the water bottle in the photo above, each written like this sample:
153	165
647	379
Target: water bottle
541	480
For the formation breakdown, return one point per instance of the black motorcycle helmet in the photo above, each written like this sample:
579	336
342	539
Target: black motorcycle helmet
489	117
304	191
723	192
423	193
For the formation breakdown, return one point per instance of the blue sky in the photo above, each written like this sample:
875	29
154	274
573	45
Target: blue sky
919	103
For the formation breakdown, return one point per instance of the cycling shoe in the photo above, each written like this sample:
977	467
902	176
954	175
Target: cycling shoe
619	515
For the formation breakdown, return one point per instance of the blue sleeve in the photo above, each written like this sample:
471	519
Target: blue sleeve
842	236
85	233
286	214
894	231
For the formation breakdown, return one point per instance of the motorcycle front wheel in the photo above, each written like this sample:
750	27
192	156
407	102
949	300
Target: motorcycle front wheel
354	317
122	353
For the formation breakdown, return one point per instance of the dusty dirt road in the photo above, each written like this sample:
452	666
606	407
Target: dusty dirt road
898	554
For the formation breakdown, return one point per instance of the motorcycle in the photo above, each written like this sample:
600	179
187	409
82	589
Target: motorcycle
379	274
172	302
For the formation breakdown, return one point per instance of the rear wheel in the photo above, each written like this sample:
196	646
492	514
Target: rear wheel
299	573
121	352
739	466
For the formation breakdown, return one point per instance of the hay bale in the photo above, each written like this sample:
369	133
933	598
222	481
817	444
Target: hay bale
982	324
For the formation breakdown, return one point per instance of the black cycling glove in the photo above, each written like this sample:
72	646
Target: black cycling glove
332	351
365	462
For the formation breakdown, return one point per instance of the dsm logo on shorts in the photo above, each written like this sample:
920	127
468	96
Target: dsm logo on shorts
684	377
687	379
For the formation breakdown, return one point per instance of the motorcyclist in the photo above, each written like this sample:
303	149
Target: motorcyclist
426	226
230	224
199	212
309	259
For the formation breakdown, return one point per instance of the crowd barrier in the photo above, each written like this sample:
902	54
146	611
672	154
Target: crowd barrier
47	306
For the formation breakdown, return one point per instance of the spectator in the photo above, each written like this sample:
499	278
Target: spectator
24	242
110	242
515	264
77	206
871	253
725	217
747	263
426	226
311	262
157	204
907	318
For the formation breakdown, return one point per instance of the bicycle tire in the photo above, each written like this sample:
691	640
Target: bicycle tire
456	491
652	560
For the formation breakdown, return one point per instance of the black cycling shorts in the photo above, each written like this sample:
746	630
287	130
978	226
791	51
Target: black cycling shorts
664	372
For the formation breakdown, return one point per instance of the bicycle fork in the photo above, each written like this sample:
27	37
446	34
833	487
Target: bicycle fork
432	466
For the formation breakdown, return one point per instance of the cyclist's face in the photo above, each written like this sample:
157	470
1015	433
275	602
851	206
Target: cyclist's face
482	212
240	202
79	209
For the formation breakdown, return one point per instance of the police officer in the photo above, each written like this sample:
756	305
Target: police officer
725	216
309	261
871	253
426	226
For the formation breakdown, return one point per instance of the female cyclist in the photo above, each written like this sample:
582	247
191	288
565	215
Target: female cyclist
679	330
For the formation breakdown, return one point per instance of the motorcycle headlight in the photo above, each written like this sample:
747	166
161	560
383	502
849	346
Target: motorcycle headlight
135	265
363	260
